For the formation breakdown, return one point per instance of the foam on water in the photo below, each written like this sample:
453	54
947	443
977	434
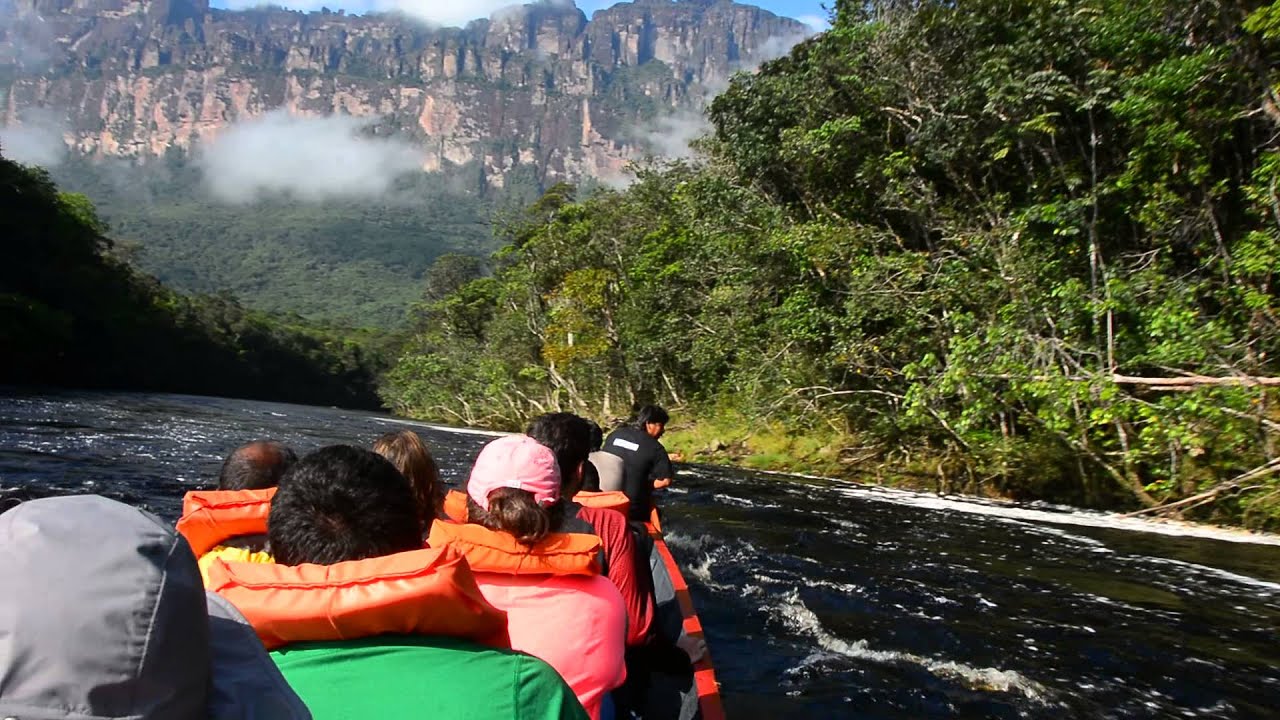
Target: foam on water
440	428
799	618
701	571
1053	517
743	502
1216	572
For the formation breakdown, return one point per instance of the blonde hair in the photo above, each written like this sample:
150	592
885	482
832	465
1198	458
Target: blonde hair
411	457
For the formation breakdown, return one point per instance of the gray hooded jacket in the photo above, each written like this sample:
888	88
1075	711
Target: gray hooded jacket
103	615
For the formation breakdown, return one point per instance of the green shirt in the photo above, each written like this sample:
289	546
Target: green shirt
423	678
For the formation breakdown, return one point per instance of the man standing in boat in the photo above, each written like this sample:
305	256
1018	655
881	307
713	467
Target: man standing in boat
645	464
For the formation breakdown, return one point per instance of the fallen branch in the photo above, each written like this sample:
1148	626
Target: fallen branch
1269	424
1180	382
1197	381
1196	500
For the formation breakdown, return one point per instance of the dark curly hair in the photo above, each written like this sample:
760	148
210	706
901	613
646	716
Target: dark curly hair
566	435
342	503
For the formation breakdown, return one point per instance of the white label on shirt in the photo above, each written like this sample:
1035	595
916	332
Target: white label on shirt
627	444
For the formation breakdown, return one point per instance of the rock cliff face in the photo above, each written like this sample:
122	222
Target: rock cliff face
535	86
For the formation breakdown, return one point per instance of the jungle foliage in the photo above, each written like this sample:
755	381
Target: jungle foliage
74	312
353	261
1028	247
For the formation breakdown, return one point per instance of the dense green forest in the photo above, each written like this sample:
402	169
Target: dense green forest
356	262
74	312
1017	247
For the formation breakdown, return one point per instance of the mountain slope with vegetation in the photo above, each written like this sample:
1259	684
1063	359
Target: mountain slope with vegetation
1019	248
73	312
160	101
355	262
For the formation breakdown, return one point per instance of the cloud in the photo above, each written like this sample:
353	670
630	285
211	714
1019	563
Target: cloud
816	23
447	13
778	46
30	43
35	140
310	159
670	136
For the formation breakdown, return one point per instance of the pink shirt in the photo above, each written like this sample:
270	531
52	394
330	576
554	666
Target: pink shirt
577	624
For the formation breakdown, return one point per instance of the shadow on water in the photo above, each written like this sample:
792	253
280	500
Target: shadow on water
818	600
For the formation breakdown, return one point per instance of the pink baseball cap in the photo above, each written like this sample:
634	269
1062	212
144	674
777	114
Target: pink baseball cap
515	461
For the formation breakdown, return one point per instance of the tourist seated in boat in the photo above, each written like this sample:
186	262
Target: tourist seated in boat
645	464
366	623
103	615
569	437
256	465
558	605
606	467
405	450
231	522
660	631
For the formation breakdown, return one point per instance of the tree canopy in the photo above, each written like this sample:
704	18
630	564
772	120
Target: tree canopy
74	312
1028	246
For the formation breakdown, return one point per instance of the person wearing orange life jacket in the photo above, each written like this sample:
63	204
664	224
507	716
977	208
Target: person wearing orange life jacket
213	520
405	450
651	651
364	622
569	437
231	522
559	608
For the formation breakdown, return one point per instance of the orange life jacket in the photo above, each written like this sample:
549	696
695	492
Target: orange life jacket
493	551
210	517
610	500
455	505
419	592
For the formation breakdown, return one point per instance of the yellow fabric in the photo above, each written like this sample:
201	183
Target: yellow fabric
230	554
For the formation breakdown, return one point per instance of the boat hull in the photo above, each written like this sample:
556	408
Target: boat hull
704	676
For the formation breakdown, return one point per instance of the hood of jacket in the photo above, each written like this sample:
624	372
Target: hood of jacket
103	615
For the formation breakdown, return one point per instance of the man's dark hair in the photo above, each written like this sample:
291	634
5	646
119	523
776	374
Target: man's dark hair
597	435
256	466
650	414
566	435
342	503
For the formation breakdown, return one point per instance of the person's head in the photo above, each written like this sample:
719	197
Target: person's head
597	435
569	437
342	503
652	420
256	466
411	457
105	615
514	484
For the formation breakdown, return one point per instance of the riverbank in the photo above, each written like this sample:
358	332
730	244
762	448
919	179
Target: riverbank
827	452
822	451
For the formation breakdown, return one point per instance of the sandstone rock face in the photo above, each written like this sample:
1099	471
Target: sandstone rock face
534	85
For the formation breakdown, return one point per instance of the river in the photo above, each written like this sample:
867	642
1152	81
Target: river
819	598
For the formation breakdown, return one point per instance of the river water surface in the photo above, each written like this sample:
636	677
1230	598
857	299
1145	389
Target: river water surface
819	598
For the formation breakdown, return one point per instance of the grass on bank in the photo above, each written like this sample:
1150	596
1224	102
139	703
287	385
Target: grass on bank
733	439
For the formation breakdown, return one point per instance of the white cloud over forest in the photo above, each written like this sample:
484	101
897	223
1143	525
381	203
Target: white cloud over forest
35	140
311	159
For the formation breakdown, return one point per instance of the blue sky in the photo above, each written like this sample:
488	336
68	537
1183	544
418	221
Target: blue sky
458	11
